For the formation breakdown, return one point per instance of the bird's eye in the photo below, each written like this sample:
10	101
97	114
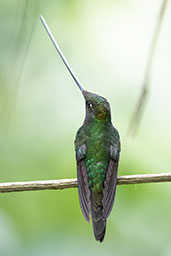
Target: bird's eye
90	106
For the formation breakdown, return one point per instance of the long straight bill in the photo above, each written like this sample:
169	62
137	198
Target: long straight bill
61	54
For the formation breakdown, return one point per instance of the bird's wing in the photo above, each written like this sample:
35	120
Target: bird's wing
111	176
83	186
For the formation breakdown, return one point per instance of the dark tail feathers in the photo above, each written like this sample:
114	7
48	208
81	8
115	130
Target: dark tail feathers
99	223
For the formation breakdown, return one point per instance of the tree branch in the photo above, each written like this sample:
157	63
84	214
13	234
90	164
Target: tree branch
138	112
72	183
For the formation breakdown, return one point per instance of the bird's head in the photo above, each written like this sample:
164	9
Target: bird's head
96	107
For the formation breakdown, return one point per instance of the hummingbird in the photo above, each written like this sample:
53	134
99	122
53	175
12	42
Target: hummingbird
97	147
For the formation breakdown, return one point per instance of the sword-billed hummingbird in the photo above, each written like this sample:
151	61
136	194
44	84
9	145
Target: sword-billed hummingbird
97	147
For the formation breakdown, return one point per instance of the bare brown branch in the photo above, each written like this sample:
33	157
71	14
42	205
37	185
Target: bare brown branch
138	112
72	183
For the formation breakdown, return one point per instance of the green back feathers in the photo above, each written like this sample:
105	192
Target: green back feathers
97	154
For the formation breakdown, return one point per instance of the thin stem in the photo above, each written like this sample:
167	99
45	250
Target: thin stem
72	183
142	100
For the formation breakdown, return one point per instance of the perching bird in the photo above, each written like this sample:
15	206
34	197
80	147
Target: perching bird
97	146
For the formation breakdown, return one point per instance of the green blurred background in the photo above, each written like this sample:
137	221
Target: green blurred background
107	44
